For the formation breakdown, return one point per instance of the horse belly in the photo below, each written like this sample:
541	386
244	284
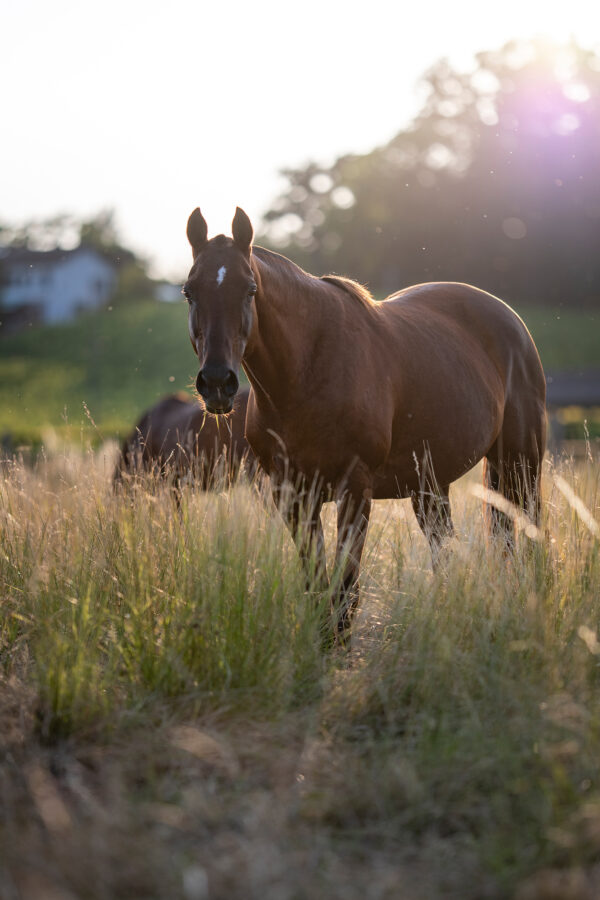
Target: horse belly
440	441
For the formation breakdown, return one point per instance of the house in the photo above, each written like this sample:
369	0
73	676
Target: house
167	292
52	285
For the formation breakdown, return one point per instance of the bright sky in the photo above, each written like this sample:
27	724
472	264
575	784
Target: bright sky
156	107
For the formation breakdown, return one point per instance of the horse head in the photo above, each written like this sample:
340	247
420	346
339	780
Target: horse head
220	291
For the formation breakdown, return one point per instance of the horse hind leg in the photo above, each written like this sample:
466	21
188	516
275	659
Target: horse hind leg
513	463
499	523
432	509
517	477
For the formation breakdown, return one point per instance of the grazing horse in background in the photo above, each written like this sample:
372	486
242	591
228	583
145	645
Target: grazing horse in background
177	439
356	400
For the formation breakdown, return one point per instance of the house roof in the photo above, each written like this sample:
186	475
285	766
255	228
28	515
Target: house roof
19	256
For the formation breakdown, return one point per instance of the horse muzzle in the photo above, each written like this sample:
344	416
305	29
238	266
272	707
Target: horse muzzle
217	385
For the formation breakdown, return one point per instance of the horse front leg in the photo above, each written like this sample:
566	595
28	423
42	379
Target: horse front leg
301	511
354	509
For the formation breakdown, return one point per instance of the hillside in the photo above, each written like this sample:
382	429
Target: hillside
117	362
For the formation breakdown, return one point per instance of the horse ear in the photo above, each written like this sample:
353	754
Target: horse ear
241	229
197	231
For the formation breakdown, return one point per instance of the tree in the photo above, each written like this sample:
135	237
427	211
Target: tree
67	231
495	182
99	232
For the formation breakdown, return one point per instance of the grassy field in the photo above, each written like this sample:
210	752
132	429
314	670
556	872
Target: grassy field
172	727
118	362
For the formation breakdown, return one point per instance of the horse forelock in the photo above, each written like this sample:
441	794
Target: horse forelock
214	250
221	240
218	242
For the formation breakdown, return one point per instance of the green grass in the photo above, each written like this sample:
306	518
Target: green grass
118	362
566	339
123	616
173	726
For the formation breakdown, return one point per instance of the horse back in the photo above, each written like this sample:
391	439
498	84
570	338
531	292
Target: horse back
461	322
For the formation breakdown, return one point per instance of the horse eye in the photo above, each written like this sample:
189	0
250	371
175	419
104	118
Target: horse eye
187	295
252	290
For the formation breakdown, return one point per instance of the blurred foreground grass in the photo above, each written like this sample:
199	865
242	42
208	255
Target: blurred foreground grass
172	726
108	366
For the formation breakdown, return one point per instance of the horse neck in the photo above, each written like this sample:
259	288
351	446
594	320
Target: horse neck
288	323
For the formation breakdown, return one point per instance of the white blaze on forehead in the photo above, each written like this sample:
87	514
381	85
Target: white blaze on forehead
221	275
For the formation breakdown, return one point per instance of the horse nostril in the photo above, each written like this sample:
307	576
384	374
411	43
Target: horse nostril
221	379
230	384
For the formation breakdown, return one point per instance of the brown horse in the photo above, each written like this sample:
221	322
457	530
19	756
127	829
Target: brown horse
177	439
357	400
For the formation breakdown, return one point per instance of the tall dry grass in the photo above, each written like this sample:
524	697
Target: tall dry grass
119	597
453	750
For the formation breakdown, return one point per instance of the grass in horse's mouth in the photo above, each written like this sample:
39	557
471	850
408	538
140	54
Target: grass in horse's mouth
218	412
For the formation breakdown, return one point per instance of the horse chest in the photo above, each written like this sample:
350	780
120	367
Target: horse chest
314	444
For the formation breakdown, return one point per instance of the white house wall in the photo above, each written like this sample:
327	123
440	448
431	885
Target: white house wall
82	281
62	287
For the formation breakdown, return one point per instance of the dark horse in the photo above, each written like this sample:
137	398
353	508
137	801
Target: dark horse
176	439
356	400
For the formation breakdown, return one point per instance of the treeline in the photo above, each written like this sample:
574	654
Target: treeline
496	182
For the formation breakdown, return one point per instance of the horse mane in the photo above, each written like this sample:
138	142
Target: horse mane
352	288
356	290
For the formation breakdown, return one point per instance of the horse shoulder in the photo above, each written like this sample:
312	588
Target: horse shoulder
261	426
